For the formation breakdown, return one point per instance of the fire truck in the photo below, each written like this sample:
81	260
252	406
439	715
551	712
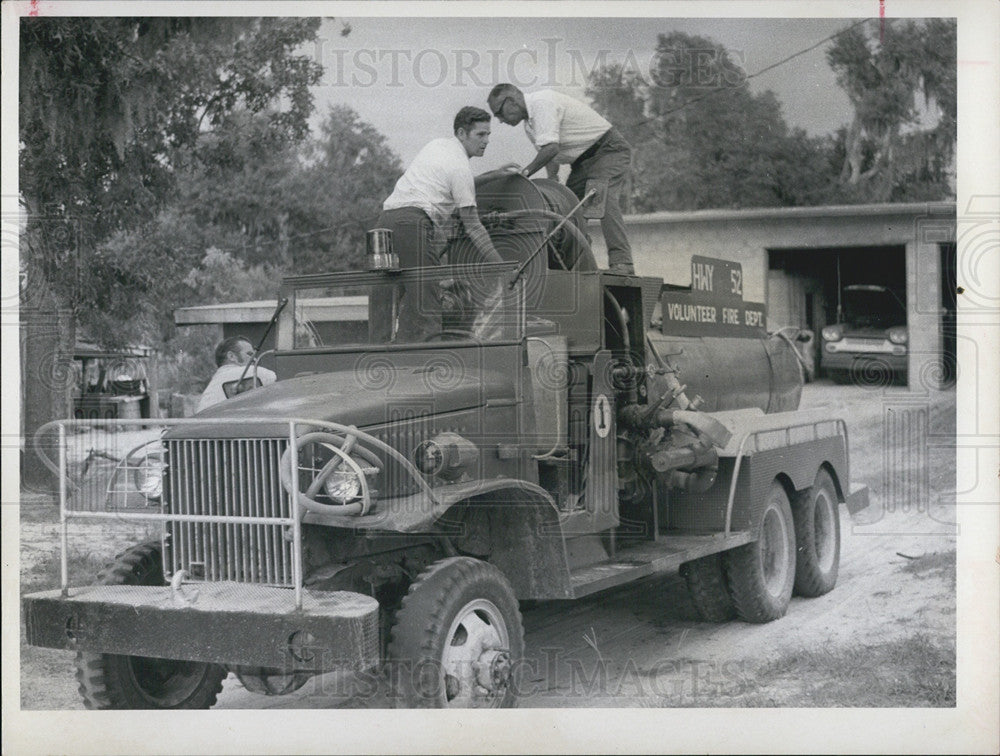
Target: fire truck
389	502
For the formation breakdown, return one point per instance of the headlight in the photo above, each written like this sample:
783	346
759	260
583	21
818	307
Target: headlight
149	478
898	335
833	333
342	486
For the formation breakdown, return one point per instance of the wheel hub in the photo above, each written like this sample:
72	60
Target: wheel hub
492	669
476	661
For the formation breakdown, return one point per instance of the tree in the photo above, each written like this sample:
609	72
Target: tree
247	212
885	156
701	138
110	110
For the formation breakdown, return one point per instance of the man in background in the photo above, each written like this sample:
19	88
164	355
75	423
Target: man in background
232	356
565	130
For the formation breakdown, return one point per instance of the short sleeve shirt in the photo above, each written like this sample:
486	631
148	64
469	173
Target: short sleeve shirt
214	393
557	118
438	181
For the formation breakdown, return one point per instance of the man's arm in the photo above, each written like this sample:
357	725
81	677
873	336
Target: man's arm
544	156
478	234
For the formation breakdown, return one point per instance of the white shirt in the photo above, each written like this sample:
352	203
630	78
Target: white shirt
438	181
214	393
557	118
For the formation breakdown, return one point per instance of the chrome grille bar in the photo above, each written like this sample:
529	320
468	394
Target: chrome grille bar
230	511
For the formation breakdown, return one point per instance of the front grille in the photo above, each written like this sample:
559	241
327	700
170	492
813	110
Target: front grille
233	478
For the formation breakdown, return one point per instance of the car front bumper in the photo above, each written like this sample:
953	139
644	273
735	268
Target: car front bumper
864	360
225	623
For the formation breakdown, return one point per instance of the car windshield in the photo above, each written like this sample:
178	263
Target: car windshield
447	303
874	307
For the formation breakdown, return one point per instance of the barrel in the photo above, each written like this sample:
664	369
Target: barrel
731	373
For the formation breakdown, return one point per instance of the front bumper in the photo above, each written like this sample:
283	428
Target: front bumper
225	623
858	361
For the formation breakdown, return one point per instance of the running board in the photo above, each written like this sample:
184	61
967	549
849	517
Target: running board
666	553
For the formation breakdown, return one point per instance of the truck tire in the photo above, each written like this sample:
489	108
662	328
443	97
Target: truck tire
817	537
706	584
114	681
761	574
457	638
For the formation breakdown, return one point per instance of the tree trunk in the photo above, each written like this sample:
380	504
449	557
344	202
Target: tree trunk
48	334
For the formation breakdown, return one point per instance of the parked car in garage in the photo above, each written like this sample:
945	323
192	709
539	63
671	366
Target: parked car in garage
868	344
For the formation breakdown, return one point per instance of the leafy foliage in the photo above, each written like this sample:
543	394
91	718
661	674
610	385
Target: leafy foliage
886	157
111	110
247	212
703	139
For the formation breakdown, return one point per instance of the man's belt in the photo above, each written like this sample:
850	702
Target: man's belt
592	149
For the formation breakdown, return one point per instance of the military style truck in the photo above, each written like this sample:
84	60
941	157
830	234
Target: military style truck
388	505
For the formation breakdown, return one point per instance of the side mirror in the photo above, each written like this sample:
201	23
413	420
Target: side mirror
594	207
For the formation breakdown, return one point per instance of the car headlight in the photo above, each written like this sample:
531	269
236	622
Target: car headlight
149	478
898	335
342	486
833	333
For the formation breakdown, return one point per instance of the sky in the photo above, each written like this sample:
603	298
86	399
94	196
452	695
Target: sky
409	76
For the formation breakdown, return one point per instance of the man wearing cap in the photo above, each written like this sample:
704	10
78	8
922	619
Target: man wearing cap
565	130
436	187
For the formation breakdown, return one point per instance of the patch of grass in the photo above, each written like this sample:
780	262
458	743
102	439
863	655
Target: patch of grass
37	507
914	671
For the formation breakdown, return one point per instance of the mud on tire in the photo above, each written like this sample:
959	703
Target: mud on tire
761	574
706	584
114	681
457	639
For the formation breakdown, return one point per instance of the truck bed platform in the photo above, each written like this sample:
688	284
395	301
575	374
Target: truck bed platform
668	552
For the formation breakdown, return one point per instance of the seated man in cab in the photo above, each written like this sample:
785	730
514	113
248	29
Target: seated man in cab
232	377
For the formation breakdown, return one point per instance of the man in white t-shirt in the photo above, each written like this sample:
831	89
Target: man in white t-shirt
232	355
565	130
437	189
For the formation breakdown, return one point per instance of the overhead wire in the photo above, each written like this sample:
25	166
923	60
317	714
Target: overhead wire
718	90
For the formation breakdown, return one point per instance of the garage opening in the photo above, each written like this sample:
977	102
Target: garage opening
813	288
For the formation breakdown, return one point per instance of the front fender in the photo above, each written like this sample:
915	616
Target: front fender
525	537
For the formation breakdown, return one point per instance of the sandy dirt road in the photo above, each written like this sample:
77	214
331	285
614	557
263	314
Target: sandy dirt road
642	644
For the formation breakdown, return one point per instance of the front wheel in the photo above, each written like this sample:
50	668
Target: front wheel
817	535
457	638
115	681
761	574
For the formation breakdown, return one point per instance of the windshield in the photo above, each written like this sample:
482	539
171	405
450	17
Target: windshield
447	303
877	308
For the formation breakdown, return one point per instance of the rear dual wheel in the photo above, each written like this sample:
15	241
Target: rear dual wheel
817	537
761	574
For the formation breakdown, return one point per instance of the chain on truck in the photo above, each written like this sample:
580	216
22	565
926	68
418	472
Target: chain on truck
387	505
